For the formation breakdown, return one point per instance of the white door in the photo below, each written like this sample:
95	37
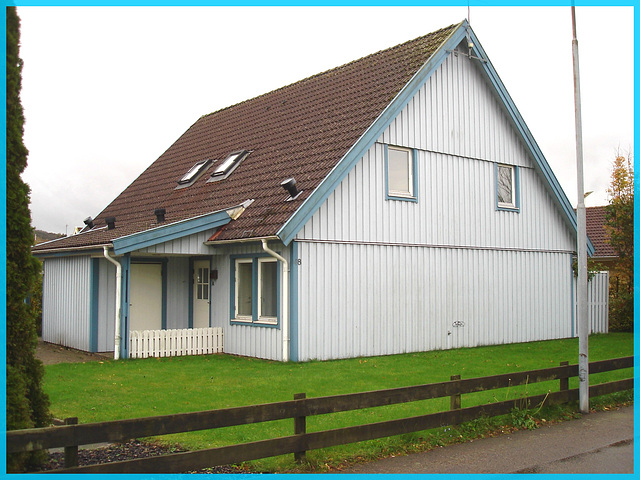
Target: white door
201	294
145	304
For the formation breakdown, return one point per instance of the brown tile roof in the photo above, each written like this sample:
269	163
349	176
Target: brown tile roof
597	233
301	130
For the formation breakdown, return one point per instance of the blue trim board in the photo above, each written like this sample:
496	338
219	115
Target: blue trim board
191	293
94	288
340	171
170	232
124	306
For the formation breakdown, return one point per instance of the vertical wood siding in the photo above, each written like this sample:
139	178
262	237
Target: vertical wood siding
385	276
250	340
66	301
363	300
106	306
189	245
178	278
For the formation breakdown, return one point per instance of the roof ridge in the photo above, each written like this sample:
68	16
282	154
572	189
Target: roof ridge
334	69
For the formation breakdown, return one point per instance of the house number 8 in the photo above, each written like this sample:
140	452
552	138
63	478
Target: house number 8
299	261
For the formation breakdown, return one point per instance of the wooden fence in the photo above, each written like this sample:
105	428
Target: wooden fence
70	436
175	343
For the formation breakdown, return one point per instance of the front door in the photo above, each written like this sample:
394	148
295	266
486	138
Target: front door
201	293
145	305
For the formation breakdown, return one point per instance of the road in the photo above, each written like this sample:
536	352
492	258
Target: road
600	442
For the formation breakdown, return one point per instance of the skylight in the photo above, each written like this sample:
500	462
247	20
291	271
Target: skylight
228	165
194	172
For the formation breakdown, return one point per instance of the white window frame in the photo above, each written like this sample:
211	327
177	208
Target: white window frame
513	205
237	316
266	318
256	317
411	193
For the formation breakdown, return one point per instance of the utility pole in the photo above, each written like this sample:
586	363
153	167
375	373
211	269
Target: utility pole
583	319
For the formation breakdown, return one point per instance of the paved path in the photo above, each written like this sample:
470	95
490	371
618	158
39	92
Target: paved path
600	442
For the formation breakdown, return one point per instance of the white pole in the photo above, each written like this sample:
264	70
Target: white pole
117	336
285	300
583	319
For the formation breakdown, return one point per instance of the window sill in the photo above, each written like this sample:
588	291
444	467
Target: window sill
402	198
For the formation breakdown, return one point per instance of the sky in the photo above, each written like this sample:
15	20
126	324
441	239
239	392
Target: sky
106	90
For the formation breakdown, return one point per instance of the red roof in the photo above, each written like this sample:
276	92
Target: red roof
302	130
597	233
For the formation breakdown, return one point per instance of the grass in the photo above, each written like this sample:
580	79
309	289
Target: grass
99	391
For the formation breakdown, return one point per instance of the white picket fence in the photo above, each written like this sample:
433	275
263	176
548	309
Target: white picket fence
598	295
175	343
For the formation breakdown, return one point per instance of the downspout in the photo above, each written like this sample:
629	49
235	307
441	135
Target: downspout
285	300
116	347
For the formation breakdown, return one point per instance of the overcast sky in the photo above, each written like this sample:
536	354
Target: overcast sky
107	90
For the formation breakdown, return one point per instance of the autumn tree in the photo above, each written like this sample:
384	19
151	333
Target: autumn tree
619	224
27	404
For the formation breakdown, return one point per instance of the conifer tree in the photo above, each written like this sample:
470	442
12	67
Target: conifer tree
27	404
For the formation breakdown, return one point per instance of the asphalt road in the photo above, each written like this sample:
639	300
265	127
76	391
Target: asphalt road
600	442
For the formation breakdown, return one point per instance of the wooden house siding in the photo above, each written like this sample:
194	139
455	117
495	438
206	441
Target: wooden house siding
382	276
187	245
106	305
67	306
251	340
363	300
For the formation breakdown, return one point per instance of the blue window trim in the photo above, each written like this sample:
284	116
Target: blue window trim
516	187
414	166
255	322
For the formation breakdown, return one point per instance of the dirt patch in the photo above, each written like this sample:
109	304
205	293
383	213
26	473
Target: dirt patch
50	354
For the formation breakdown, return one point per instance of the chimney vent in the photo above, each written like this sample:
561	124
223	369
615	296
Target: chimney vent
88	222
111	222
159	213
290	186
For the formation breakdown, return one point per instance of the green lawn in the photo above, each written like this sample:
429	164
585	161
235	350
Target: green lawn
109	390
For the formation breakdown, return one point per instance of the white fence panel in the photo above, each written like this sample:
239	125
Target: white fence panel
598	302
175	343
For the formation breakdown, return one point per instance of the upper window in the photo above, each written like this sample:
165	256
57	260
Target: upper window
506	187
228	165
255	290
193	173
401	178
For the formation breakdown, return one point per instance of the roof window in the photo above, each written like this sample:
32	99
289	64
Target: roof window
228	165
193	173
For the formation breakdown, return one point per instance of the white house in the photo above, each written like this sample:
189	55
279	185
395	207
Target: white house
423	216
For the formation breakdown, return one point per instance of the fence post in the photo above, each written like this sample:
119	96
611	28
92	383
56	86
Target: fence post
300	428
456	399
71	453
564	382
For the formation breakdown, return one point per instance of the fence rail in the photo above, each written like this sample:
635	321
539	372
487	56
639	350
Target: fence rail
300	408
175	343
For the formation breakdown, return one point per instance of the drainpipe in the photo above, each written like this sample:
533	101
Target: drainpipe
285	300
116	347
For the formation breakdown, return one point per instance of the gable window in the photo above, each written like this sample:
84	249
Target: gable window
401	173
507	197
193	174
255	290
228	165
